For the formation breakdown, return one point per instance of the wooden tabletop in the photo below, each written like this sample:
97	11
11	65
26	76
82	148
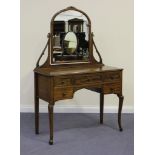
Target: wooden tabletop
70	71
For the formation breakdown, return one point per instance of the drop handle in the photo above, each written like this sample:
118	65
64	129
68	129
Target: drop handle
62	82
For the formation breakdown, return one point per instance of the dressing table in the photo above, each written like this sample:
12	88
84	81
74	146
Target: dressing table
71	66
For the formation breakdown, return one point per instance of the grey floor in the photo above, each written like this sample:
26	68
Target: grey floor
78	134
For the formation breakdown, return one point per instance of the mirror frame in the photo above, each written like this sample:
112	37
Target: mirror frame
90	47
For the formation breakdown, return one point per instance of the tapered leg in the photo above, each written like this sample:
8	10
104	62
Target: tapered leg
101	106
121	98
36	115
36	103
50	112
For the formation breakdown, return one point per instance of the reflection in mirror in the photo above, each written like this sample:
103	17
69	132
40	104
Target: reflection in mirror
70	43
71	37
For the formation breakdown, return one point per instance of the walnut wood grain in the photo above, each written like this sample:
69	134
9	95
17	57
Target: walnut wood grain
79	69
44	87
54	85
111	76
87	78
61	93
112	88
62	81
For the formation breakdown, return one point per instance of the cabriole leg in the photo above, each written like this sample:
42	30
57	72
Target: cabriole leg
121	98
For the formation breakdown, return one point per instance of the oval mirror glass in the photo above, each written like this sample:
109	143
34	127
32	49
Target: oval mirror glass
70	43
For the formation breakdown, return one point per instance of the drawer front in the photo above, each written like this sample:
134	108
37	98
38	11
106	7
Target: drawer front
111	76
86	79
62	81
112	88
63	93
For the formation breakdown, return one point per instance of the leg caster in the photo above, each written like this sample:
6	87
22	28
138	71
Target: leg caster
37	132
50	142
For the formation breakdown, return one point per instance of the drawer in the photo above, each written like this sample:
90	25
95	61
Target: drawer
111	76
112	88
63	93
62	81
84	79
